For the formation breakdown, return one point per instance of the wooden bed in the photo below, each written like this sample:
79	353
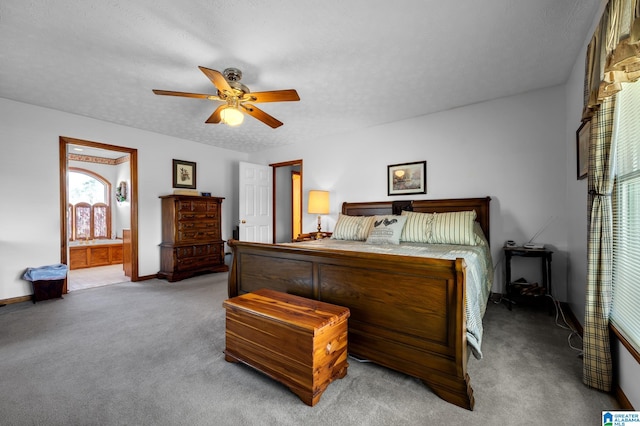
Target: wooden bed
407	313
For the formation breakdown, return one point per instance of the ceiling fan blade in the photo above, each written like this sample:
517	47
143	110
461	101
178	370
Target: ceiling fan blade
187	95
217	79
273	96
256	112
215	118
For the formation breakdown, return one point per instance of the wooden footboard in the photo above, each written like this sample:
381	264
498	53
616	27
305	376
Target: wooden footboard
407	314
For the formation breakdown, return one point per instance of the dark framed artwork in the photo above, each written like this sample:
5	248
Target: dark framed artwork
184	174
407	178
583	134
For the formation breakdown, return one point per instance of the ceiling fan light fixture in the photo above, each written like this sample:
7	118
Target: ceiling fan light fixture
231	116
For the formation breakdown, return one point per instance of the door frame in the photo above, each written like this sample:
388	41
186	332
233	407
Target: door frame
293	198
275	166
64	199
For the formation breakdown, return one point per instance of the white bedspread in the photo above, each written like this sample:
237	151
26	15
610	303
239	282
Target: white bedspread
479	273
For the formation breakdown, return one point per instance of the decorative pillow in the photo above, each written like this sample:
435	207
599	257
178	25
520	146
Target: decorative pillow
453	228
386	229
417	229
354	228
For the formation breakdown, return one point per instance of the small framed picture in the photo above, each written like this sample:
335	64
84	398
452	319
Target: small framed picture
184	174
408	178
583	134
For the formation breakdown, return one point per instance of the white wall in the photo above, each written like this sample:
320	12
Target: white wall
29	172
122	210
626	367
511	149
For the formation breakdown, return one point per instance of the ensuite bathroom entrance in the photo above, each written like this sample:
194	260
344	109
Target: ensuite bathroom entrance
97	202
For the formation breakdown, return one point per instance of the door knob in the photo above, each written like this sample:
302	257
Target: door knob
243	221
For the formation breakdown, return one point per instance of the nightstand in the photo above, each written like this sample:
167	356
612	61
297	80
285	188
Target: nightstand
519	289
311	236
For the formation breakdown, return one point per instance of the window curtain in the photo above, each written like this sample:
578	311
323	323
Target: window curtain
596	367
613	55
613	58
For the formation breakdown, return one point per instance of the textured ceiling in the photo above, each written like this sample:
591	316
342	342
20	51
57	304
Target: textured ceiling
355	64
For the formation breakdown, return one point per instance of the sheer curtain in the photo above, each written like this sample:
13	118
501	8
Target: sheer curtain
613	57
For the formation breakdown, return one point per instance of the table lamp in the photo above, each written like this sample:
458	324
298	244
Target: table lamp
318	204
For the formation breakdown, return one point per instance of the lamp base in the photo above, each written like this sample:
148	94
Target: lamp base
319	233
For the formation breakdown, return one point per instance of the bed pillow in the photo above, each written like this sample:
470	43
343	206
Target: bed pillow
481	239
417	229
453	228
353	228
386	229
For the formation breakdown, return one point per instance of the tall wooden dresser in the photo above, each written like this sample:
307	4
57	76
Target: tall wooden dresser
191	237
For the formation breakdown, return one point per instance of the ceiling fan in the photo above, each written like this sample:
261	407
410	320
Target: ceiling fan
236	98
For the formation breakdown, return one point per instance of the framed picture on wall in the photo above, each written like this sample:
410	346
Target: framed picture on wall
583	134
407	178
184	174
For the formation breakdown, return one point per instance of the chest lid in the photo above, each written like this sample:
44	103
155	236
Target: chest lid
297	311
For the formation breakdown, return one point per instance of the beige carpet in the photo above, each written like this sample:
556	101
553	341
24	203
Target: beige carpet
150	353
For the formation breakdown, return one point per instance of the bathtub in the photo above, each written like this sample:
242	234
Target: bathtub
86	254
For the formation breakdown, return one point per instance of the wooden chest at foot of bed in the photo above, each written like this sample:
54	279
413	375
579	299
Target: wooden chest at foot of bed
301	343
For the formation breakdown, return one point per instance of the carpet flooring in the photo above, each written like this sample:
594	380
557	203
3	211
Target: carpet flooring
150	353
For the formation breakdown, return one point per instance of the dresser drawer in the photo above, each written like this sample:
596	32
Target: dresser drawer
201	235
197	205
197	216
187	225
200	250
195	262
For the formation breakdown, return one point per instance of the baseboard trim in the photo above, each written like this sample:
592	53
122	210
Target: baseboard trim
622	399
15	300
147	277
29	297
571	318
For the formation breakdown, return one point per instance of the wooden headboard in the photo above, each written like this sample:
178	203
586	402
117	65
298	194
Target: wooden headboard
372	208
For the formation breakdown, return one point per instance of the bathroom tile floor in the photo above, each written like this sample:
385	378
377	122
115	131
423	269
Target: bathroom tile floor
80	279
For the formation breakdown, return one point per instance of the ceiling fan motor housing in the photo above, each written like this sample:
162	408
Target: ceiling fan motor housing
232	74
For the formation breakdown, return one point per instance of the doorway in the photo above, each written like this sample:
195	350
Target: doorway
103	152
287	200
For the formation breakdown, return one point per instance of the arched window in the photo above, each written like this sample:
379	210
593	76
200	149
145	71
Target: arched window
89	210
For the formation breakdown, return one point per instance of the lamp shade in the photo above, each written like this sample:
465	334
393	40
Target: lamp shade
231	116
318	202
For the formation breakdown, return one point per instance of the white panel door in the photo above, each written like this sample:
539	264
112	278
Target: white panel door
256	202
